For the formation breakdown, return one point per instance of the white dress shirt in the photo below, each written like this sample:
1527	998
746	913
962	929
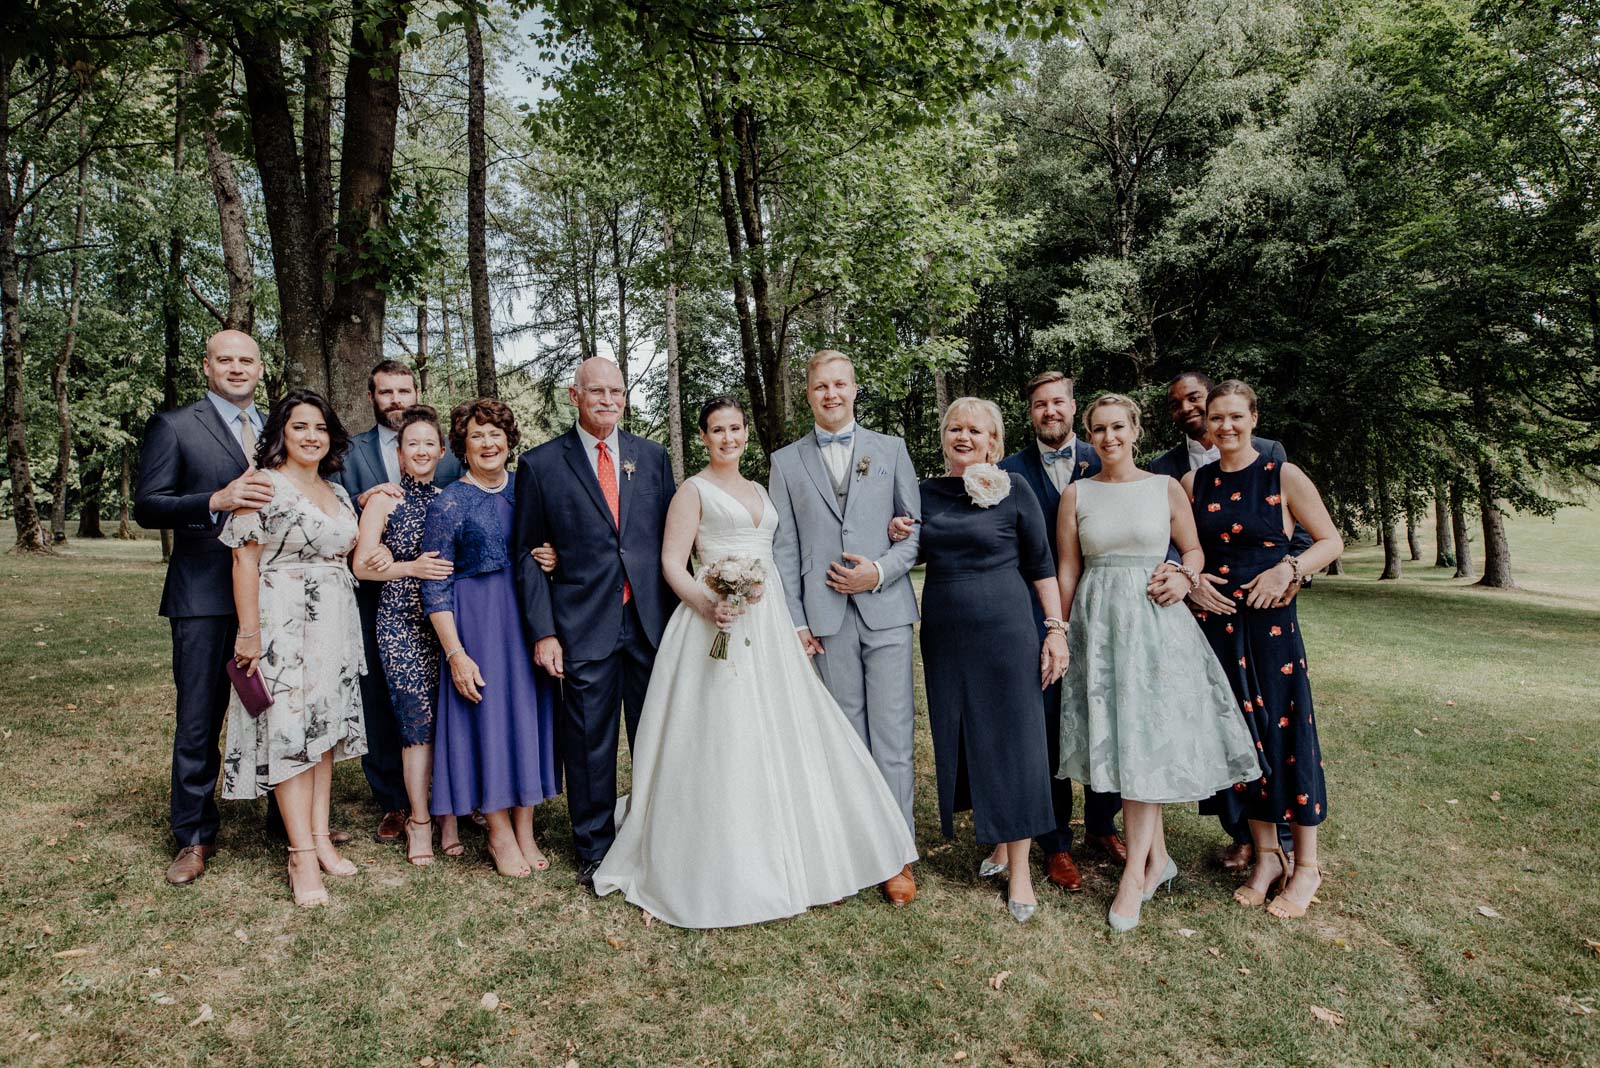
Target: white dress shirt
389	446
1199	455
836	456
1060	472
589	443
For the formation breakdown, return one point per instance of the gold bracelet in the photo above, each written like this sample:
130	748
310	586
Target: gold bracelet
453	652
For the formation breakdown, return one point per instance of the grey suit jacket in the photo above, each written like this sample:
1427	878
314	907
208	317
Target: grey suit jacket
813	532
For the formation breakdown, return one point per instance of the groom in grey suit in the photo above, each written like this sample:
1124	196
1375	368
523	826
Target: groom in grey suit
848	587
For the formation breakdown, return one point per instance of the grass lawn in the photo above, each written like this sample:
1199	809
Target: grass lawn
1460	728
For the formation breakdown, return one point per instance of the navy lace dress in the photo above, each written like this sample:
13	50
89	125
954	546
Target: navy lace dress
407	644
1240	518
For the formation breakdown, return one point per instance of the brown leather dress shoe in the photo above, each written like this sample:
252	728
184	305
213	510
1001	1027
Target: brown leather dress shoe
1238	857
189	864
1111	843
1060	869
391	828
901	889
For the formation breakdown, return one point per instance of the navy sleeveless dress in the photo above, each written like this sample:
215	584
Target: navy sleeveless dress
1240	519
407	644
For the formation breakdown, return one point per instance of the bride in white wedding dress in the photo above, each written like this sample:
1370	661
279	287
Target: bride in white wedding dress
753	798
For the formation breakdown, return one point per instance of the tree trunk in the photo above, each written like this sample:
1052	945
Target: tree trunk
1458	528
422	344
58	371
941	392
24	507
674	369
316	124
91	491
1386	520
759	411
478	208
236	259
1412	547
619	273
125	531
447	353
1444	552
1335	568
283	190
747	186
354	325
1496	549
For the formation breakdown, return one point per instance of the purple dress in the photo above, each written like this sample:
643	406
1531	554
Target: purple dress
499	753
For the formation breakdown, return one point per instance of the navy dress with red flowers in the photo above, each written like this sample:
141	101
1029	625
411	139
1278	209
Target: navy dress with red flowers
1240	519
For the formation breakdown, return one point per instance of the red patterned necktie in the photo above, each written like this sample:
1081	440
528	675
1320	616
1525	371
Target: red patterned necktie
607	473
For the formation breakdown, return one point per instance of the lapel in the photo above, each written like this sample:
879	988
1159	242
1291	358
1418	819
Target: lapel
627	446
578	460
811	460
212	421
856	446
1049	497
374	447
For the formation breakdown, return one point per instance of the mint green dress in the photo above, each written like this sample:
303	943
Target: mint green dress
1145	707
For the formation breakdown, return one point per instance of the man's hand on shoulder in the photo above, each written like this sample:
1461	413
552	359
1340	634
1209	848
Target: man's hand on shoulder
253	489
383	487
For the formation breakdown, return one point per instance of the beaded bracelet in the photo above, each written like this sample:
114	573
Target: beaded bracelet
1294	566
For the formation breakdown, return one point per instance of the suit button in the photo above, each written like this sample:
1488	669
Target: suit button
622	552
846	530
616	589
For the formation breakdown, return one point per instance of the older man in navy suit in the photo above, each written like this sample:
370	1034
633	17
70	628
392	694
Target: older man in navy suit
600	496
1186	404
1050	463
373	466
196	466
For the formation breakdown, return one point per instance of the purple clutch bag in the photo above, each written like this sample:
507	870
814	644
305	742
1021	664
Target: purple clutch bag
251	690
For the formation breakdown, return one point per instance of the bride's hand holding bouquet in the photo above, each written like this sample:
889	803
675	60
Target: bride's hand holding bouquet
736	584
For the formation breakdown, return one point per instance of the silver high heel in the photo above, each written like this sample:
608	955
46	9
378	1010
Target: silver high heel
1020	912
1169	873
1123	924
989	869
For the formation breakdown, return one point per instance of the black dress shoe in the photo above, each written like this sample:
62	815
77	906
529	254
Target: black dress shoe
586	872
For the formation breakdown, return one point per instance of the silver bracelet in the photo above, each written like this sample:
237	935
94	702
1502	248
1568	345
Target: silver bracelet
453	652
252	634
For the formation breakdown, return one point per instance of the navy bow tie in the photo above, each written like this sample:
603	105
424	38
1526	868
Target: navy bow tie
1052	455
824	439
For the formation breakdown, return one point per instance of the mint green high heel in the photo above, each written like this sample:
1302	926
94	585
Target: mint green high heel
1123	924
1169	873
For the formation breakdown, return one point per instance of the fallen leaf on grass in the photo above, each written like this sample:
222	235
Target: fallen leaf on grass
1485	910
1453	801
1449	704
1244	971
1592	944
998	980
1495	796
614	941
241	934
163	999
1097	1016
425	1062
68	954
572	1062
204	1016
1214	951
959	1055
489	1002
1416	732
1328	1016
1574	1006
48	930
938	985
1469	955
1187	932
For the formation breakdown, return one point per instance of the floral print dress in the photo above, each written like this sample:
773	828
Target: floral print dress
311	653
1240	519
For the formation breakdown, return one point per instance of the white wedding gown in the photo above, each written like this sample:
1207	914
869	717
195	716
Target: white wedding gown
753	798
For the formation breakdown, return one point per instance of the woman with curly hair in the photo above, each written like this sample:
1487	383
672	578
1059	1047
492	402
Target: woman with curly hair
299	629
493	747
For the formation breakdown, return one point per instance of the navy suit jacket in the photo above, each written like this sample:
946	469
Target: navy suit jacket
1030	465
558	500
363	466
188	454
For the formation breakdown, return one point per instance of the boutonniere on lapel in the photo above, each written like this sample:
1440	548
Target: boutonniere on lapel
1083	465
628	468
863	468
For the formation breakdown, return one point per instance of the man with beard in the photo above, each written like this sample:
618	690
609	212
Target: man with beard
373	466
1186	404
1051	463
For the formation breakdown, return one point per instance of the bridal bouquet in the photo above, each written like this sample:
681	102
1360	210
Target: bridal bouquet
738	581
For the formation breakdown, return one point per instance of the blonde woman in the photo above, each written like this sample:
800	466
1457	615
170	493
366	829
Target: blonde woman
985	543
1145	711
